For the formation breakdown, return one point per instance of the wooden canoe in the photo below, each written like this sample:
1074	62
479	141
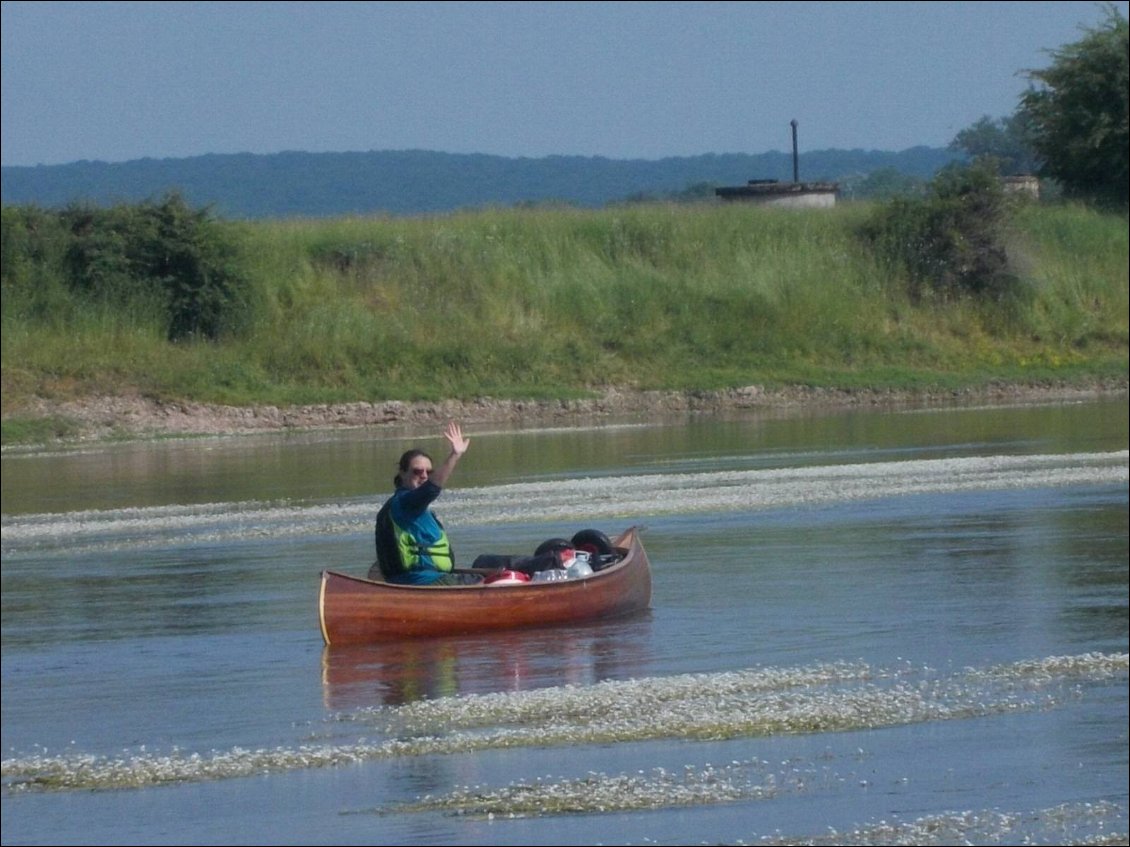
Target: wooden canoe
354	610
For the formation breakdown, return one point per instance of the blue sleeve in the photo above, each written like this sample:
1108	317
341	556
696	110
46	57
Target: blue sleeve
414	502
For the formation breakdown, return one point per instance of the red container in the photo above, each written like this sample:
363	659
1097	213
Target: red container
507	578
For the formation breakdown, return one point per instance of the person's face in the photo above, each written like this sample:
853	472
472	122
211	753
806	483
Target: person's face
418	472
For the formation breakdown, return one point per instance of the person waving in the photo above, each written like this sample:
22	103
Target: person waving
412	545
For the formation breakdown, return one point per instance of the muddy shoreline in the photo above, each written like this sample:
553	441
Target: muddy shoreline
118	418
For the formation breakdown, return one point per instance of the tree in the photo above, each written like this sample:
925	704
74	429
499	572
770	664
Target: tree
1008	140
1079	113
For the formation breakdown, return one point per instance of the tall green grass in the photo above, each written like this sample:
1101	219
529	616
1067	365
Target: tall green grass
556	302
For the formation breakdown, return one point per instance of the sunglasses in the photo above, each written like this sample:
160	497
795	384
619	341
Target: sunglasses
421	471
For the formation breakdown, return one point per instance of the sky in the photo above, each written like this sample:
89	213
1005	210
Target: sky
638	80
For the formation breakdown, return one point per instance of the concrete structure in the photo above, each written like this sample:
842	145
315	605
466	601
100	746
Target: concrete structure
770	192
1025	185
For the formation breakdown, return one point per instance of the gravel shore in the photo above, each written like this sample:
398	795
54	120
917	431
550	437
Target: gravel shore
99	418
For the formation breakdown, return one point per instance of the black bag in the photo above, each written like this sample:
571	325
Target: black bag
525	564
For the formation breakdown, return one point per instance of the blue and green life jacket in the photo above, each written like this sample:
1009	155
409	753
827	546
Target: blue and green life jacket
412	545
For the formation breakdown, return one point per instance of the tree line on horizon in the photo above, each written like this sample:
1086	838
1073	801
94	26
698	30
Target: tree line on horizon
410	182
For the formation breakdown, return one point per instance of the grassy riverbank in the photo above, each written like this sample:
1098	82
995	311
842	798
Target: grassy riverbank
563	303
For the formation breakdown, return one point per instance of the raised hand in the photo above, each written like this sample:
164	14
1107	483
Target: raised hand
454	435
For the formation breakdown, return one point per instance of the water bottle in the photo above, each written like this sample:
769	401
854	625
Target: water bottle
579	567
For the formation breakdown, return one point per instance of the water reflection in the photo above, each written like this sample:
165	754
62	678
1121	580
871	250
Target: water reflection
401	672
353	463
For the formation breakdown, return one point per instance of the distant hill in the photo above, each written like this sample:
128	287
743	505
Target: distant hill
408	182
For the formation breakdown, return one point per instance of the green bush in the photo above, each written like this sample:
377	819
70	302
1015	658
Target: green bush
33	246
949	242
155	259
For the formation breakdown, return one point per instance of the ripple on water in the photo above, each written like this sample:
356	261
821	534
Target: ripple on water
758	702
574	500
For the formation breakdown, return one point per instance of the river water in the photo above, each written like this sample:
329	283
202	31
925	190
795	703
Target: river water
879	626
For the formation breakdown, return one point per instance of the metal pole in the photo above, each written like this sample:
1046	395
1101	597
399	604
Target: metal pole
796	164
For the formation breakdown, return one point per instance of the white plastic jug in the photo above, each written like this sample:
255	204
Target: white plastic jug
580	566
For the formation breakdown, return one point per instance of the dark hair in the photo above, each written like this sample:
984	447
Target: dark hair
406	462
